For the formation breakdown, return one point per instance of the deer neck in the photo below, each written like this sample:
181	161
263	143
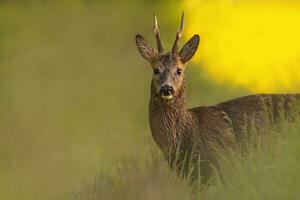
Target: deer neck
168	118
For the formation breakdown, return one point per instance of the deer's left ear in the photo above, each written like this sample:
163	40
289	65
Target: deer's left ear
189	49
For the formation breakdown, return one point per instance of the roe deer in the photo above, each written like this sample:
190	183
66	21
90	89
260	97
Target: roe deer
204	134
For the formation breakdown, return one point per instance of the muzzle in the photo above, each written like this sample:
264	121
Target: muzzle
166	92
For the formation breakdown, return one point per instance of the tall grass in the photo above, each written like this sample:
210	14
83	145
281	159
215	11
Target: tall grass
271	172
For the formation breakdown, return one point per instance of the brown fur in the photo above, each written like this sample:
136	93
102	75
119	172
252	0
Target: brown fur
212	132
205	134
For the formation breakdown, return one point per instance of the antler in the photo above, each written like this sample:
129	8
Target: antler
178	36
157	36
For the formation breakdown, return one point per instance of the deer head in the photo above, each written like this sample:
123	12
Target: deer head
168	68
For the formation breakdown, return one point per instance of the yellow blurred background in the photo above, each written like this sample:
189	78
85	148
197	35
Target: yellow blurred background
251	43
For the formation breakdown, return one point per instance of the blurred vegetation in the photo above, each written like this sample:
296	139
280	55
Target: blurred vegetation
74	93
251	43
271	172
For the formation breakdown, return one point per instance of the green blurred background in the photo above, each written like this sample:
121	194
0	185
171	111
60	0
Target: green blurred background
74	90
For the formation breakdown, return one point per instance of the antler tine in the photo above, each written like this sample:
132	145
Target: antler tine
157	36
178	35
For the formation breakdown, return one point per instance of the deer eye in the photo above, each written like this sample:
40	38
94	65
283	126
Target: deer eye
156	71
179	71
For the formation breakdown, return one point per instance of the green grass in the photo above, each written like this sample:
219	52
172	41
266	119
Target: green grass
268	173
74	100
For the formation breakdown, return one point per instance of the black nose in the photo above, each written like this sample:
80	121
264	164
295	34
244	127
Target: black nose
166	90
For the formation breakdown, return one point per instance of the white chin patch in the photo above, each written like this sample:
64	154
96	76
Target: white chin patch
167	97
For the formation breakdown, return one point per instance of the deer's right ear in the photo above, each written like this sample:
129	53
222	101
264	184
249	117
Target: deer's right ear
145	48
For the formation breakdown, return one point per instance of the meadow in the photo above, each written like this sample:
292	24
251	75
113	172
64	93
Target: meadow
74	108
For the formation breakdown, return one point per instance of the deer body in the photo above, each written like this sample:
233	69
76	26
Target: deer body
180	133
198	139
